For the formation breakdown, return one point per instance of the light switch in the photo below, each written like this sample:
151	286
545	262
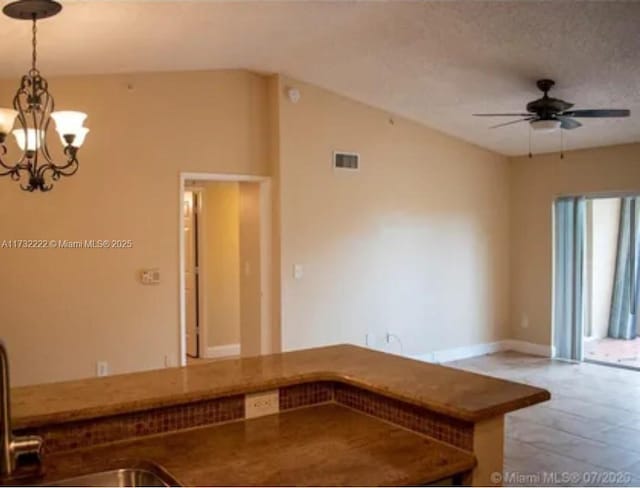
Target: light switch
298	271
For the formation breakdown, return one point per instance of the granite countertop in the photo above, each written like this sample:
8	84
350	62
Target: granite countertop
326	445
459	394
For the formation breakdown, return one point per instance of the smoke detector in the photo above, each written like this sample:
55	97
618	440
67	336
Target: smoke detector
293	94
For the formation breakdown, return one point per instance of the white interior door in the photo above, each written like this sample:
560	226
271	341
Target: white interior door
191	272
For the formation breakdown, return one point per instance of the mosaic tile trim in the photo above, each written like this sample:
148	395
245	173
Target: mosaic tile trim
297	396
75	435
445	429
455	432
86	433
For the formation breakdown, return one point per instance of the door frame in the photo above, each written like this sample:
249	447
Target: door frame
589	196
266	270
198	214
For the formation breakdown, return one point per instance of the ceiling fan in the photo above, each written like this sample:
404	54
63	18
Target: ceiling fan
549	114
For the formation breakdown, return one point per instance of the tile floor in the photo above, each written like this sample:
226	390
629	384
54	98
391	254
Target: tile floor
618	351
587	434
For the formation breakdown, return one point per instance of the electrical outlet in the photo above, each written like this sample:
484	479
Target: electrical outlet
261	404
102	368
524	322
370	339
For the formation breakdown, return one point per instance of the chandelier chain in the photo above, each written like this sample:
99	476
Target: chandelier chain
34	56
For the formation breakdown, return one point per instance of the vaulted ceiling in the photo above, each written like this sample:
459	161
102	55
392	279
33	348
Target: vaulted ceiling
436	62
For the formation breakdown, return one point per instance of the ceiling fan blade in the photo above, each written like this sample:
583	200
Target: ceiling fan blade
502	115
568	124
512	122
605	112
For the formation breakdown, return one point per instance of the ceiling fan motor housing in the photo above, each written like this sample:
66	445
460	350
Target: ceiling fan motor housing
547	108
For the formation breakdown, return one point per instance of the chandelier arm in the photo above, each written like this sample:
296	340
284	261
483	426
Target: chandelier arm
48	108
69	169
17	168
22	117
13	171
72	165
37	141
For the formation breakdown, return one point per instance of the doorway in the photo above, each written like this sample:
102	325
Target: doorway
596	279
611	317
225	267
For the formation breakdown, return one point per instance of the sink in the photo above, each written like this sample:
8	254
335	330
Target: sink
143	474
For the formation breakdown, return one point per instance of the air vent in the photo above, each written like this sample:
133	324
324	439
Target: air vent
346	160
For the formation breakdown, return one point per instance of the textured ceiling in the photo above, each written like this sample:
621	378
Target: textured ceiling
435	62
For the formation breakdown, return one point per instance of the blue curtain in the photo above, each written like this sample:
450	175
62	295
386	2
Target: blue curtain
623	319
569	245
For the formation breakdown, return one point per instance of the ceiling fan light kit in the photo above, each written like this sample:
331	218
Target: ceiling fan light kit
33	112
545	125
548	114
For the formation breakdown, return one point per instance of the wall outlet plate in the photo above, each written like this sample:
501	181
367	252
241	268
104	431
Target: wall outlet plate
102	368
370	339
261	404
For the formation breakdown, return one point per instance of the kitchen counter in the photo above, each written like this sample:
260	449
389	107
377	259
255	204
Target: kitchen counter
325	445
458	394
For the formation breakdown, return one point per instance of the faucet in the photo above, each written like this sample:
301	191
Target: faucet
13	447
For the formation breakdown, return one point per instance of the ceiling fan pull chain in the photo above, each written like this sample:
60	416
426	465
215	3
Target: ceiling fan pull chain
530	153
561	143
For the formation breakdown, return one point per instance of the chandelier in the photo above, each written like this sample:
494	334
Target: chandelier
32	113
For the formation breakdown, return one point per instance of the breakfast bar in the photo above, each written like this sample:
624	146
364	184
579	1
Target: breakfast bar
342	415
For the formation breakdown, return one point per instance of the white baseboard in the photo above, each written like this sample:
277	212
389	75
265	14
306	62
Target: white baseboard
464	352
475	350
225	351
529	348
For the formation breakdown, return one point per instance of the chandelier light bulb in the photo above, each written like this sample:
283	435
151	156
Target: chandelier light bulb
7	120
28	139
68	122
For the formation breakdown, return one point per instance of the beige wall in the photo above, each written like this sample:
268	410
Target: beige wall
273	312
535	183
221	262
430	240
249	268
602	237
63	310
415	243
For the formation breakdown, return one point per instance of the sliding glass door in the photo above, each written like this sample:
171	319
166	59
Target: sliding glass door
597	280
